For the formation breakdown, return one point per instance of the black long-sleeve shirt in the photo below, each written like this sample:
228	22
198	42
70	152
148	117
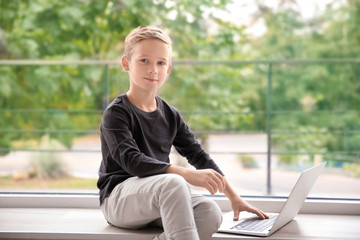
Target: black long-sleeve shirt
138	143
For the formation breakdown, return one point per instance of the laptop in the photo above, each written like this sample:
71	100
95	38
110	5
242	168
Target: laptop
250	224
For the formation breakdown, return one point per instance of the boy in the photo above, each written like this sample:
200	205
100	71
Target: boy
138	185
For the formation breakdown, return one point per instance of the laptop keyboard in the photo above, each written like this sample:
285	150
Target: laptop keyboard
255	224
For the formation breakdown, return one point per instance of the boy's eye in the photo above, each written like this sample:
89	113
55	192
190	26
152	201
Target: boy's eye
162	63
143	60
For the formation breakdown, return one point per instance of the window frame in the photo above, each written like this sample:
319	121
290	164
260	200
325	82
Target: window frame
331	206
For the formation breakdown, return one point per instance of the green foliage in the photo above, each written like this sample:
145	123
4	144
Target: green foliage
7	182
212	94
307	140
353	168
48	166
312	97
224	97
247	161
70	30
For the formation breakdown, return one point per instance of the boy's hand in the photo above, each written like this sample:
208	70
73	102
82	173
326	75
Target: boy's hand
206	178
214	182
238	205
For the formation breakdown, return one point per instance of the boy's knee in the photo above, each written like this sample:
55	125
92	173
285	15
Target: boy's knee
174	187
211	211
174	181
217	215
208	218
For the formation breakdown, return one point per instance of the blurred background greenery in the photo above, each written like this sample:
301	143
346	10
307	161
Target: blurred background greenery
315	105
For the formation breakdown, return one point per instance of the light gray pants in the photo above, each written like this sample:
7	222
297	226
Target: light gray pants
163	200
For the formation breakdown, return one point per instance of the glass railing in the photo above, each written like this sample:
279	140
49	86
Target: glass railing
261	121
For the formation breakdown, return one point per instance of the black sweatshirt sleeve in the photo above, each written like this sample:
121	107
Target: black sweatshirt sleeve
186	144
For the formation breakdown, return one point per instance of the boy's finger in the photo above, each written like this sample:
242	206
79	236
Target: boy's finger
217	184
236	215
260	214
211	189
213	186
220	181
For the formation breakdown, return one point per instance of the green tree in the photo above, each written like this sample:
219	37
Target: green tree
71	30
322	97
225	97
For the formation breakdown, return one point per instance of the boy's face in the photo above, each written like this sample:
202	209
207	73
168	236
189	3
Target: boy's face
149	64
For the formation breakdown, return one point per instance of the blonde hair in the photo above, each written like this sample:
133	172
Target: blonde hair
141	33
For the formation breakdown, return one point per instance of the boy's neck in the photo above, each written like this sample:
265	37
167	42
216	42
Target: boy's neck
145	102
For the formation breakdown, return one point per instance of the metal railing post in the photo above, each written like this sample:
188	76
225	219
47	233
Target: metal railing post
346	139
268	130
106	86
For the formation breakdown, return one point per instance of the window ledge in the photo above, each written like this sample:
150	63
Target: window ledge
85	223
267	204
77	216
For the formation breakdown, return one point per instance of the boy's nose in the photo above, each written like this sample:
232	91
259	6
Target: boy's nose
152	70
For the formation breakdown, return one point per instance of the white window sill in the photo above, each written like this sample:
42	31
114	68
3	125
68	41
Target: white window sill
82	223
267	204
77	216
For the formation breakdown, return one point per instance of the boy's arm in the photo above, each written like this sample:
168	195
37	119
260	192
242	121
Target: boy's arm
238	204
206	178
215	182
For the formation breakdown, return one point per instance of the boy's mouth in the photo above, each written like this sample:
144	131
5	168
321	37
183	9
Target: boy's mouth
151	79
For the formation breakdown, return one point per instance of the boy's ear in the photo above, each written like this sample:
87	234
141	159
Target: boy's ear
169	70
125	63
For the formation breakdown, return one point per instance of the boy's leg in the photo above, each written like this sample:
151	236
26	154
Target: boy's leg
138	201
207	214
